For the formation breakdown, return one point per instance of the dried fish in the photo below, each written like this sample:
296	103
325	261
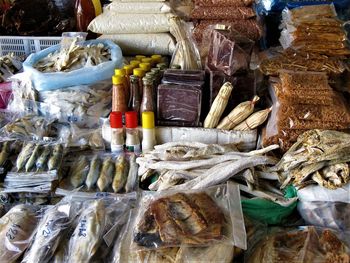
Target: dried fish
55	158
87	236
5	152
48	235
79	172
121	174
132	181
168	145
33	158
106	175
41	162
24	156
16	228
94	172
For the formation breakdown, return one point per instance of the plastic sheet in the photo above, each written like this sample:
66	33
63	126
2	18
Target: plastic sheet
5	94
109	23
234	13
147	44
83	76
189	218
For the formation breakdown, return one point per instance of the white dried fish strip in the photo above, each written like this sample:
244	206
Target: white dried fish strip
269	196
267	175
168	145
211	149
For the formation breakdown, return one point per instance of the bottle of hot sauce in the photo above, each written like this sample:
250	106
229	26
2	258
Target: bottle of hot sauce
85	12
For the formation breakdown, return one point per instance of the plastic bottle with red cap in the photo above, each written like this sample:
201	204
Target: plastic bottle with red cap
132	142
117	137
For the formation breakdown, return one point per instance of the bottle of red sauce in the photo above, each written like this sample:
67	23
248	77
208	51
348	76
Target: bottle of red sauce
85	12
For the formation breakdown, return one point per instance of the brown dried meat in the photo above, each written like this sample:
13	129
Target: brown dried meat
228	12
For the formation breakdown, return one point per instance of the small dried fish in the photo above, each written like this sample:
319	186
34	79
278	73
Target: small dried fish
121	174
87	236
33	158
5	152
41	162
24	156
55	158
94	172
48	236
132	181
79	172
169	145
16	228
106	175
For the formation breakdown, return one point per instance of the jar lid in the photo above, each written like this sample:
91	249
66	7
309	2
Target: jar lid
116	119
128	69
145	66
134	63
140	57
117	80
119	72
148	120
138	72
157	58
131	119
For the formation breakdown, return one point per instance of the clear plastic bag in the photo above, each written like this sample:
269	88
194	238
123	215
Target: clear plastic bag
17	227
84	139
219	12
5	94
228	51
189	218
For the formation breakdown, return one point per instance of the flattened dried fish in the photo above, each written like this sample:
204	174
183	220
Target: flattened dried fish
87	236
41	162
94	172
24	156
132	182
16	228
55	158
79	172
106	176
5	152
33	158
48	236
121	174
168	145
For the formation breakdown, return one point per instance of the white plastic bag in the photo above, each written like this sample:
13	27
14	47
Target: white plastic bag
110	23
147	44
139	7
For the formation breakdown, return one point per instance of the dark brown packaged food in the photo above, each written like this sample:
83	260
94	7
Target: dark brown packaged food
177	76
180	219
228	51
179	104
249	28
219	12
213	3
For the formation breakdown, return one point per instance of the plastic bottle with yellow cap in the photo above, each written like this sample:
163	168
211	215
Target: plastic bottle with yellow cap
135	63
148	131
147	60
157	59
119	102
145	66
139	73
122	73
140	57
128	69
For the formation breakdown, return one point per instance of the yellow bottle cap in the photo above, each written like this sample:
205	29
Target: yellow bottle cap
134	63
139	57
139	72
128	69
148	120
156	58
145	66
147	60
119	72
117	80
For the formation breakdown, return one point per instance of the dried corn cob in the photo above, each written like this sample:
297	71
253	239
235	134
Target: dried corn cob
253	121
218	106
238	114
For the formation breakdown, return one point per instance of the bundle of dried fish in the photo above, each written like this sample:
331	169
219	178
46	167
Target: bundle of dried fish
318	156
9	65
302	245
193	219
16	228
87	236
73	58
48	235
195	166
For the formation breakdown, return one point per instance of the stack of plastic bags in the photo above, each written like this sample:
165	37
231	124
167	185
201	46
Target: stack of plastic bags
137	27
238	14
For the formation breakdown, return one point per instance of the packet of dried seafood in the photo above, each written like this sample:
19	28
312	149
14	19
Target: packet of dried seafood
301	245
214	3
219	12
189	218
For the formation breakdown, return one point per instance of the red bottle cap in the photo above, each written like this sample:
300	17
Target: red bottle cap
131	119
116	119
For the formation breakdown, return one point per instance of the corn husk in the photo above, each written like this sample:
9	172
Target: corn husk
238	114
253	121
219	105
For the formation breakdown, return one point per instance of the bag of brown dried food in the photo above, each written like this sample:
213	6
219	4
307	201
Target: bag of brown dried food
193	218
222	12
